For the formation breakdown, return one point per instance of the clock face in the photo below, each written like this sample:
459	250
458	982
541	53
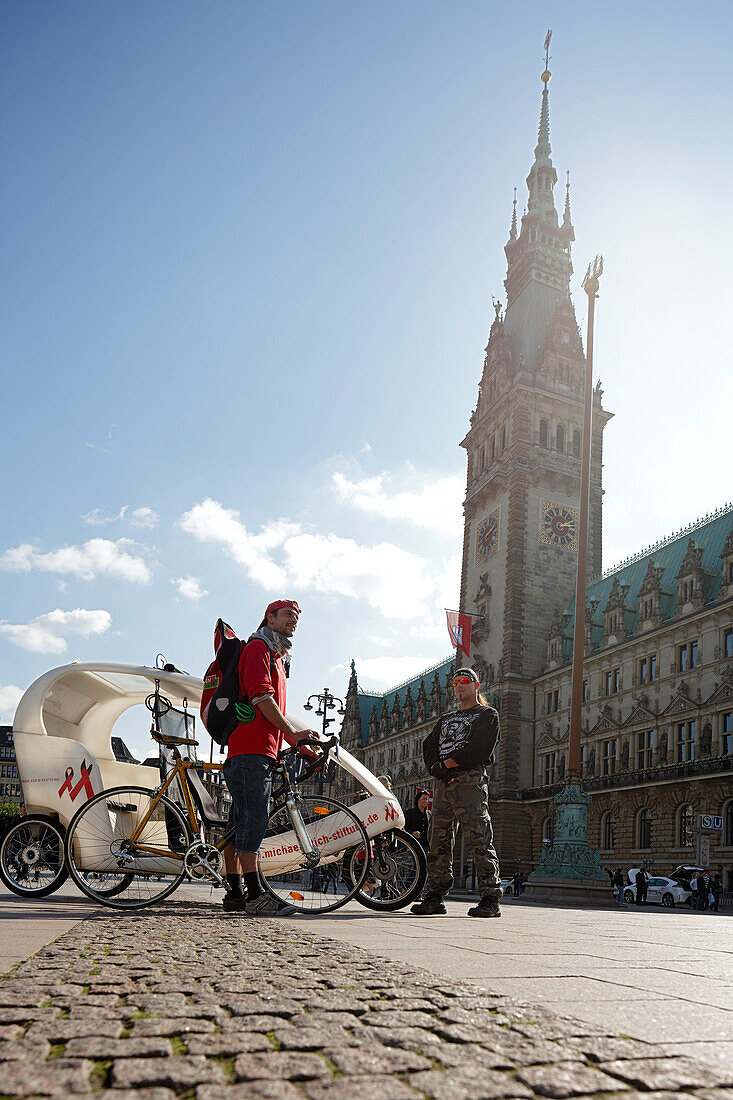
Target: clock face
559	526
487	536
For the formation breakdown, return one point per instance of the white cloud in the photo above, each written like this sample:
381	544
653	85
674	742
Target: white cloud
47	633
9	698
96	517
399	584
435	504
388	578
189	587
144	517
210	521
97	557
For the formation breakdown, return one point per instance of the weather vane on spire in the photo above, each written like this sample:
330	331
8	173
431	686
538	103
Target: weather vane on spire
546	74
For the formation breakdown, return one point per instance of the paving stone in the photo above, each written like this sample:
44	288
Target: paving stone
61	1077
229	1045
313	1038
566	1079
604	1048
60	1031
668	1073
135	1094
13	999
399	1018
404	1004
251	1023
360	1088
518	1051
24	1048
377	1060
187	1012
10	1031
182	1026
23	1015
280	1065
468	1083
104	1049
179	1071
325	1019
252	1090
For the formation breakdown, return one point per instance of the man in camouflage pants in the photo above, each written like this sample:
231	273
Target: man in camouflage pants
457	752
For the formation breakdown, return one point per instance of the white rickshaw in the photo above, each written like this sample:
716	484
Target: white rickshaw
130	833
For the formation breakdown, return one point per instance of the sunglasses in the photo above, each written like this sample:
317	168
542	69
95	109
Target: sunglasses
464	680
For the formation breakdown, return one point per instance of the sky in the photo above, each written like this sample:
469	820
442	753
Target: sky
249	253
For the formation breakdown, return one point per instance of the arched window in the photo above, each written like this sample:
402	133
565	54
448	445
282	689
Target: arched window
548	831
685	826
644	829
493	447
728	825
608	832
560	439
543	433
576	444
503	439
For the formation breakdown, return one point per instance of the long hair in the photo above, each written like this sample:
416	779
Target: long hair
482	700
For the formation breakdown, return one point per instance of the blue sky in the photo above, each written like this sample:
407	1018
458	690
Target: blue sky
248	260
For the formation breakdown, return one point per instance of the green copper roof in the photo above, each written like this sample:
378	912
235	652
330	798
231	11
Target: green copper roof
709	533
368	700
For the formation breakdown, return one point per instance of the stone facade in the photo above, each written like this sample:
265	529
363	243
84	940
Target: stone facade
9	782
656	747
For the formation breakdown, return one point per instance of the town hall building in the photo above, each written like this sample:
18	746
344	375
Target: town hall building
658	696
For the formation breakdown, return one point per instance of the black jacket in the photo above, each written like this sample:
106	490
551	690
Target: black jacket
470	737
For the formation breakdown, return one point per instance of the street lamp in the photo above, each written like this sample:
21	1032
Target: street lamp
326	701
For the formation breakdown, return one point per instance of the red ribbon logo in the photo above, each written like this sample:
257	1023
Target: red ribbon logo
390	813
84	782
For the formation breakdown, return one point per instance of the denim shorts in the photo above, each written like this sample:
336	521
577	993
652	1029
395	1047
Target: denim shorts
249	779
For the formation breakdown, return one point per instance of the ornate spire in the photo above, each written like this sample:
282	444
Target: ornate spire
566	219
542	148
513	230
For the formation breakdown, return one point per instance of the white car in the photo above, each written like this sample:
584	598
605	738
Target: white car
507	888
659	891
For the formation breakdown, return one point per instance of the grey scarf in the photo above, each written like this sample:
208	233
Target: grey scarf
276	643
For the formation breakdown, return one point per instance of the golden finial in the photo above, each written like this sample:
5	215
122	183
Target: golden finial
547	74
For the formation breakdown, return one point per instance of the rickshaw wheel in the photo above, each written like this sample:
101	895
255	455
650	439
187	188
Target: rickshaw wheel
32	856
114	814
397	873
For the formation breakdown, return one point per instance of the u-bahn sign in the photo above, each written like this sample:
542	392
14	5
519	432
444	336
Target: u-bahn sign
709	823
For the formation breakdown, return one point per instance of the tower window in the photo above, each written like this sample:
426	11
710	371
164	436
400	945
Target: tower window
503	439
493	447
560	439
576	444
543	433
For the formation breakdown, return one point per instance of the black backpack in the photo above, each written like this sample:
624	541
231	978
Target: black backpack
223	704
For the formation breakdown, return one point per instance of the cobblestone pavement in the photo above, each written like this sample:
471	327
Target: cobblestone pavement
185	1001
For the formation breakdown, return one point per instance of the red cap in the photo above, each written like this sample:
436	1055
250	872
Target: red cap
276	605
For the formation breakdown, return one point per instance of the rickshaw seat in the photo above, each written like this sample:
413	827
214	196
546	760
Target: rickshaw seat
171	739
202	798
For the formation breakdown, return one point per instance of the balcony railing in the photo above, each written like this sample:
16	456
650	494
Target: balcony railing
664	773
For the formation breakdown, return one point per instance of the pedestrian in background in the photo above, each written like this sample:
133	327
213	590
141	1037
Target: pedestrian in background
618	885
417	818
457	753
693	889
640	882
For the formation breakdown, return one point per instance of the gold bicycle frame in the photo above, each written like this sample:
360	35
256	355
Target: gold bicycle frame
179	771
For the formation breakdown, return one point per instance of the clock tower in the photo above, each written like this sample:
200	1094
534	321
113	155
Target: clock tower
523	484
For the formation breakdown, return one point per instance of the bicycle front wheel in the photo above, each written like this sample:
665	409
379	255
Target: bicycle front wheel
32	856
397	873
133	833
335	833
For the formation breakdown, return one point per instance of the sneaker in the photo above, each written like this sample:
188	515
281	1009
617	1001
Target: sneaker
267	906
487	907
232	902
430	906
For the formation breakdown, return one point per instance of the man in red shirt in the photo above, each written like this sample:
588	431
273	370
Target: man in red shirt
252	750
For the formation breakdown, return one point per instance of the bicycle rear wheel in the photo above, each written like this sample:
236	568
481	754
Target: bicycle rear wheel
99	844
397	873
336	832
32	856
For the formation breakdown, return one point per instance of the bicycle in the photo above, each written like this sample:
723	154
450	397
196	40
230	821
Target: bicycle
156	842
